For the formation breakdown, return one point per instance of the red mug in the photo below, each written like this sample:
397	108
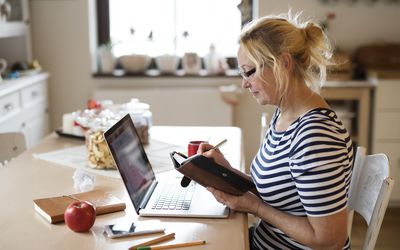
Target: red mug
193	146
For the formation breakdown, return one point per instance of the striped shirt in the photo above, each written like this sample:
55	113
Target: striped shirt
303	171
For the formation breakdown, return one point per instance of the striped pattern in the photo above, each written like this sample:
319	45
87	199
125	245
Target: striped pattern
304	171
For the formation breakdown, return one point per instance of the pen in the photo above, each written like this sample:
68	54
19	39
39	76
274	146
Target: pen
154	241
219	144
186	244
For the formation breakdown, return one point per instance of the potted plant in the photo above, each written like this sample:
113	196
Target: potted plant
107	60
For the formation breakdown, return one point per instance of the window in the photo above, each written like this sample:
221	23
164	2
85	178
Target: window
156	27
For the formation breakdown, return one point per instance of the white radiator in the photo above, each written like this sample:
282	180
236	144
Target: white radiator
196	106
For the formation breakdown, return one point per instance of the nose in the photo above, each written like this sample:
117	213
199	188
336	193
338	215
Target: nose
245	84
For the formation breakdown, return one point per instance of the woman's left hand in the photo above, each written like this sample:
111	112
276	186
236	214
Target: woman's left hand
248	202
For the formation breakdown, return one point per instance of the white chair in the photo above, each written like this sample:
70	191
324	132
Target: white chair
370	189
11	145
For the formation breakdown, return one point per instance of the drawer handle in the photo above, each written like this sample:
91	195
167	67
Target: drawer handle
34	94
8	106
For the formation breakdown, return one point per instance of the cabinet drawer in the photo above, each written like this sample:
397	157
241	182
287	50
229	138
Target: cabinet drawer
393	153
387	94
34	93
387	125
14	123
36	129
35	110
9	104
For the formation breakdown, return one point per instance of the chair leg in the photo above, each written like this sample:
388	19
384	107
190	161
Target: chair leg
350	216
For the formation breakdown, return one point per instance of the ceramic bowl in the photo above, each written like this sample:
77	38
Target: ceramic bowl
135	63
167	64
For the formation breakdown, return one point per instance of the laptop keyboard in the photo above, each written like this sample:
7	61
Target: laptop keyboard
175	197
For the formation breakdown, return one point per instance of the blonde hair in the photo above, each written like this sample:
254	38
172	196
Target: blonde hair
264	40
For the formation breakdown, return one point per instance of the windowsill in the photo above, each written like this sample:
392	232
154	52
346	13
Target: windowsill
153	73
153	78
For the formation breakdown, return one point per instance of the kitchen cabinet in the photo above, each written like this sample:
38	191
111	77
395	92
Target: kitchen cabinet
24	100
386	132
24	107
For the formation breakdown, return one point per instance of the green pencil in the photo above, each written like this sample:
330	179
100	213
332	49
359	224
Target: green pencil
185	244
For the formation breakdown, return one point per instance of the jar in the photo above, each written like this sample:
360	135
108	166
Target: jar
141	117
99	156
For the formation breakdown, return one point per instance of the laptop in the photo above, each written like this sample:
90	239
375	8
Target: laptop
166	198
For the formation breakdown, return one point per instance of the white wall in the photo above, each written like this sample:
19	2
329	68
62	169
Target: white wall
354	25
183	105
61	44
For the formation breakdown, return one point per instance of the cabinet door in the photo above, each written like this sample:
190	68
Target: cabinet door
9	105
34	94
392	150
387	94
35	130
387	125
12	124
35	123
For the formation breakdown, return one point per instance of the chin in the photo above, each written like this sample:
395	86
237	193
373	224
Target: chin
262	101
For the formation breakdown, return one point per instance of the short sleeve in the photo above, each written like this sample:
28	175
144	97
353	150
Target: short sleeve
318	163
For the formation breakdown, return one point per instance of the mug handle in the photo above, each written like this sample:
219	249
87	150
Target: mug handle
3	65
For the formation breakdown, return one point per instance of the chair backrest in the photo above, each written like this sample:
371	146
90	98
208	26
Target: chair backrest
264	126
369	194
11	145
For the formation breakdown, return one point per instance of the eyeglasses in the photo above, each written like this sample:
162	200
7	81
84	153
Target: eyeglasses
247	74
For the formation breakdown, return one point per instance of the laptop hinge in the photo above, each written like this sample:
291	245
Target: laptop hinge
147	196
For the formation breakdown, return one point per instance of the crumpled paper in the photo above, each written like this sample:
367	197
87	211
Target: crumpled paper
83	181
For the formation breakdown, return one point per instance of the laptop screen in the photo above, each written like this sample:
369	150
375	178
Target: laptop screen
130	158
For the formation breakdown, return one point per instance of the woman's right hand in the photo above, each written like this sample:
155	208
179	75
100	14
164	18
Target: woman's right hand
207	150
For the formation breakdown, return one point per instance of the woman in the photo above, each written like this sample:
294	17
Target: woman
302	171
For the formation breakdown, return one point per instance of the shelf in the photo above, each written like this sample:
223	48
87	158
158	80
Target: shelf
12	29
155	73
361	95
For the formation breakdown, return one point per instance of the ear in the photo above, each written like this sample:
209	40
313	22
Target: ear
287	61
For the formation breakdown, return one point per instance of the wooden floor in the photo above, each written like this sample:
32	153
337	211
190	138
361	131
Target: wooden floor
389	235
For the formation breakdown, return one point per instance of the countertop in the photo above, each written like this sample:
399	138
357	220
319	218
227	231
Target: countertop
8	86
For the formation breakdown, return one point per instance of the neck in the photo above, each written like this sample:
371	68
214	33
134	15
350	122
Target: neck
297	101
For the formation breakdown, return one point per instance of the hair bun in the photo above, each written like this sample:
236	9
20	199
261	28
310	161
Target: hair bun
313	34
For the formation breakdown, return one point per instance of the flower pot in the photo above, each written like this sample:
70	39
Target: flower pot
107	60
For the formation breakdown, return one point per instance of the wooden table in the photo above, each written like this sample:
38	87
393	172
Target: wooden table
27	178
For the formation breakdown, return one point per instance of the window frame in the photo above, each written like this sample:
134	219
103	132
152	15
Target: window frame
103	18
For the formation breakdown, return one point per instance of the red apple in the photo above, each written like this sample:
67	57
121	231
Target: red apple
80	216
